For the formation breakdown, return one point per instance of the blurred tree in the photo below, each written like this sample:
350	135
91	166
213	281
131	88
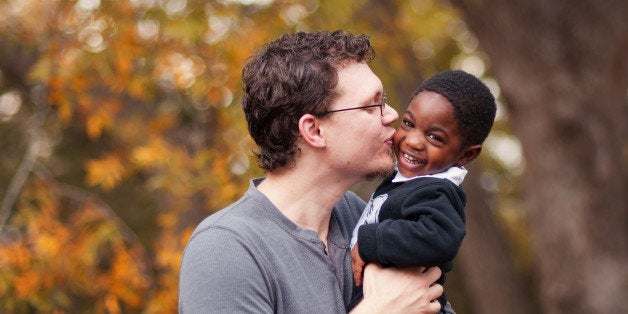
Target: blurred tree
486	259
124	112
563	71
121	130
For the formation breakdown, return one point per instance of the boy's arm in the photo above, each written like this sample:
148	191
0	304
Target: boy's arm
357	265
429	233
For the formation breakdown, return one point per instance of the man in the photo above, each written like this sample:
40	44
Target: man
318	115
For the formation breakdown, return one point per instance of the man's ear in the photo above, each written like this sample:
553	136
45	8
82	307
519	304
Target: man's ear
469	154
309	129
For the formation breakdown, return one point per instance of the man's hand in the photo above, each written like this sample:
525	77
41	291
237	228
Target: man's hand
400	290
357	264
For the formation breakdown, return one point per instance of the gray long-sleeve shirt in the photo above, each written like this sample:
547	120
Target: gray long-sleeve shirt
250	258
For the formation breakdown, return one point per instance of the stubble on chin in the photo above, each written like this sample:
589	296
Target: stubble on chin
385	172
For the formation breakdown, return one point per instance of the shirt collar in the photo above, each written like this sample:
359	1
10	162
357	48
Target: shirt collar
453	174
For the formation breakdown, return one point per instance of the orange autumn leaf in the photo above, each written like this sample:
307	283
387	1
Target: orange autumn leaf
26	284
106	172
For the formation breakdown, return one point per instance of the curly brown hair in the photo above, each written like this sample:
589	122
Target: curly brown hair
289	77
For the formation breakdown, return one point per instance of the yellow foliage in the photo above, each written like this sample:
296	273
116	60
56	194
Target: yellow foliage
41	70
95	123
56	257
111	304
26	284
162	122
101	117
169	250
106	172
127	281
57	98
65	110
167	220
123	64
49	245
150	155
14	256
137	88
161	114
84	102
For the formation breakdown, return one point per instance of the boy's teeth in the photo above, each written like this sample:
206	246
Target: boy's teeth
409	159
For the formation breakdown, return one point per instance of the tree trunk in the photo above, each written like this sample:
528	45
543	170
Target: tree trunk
563	71
484	260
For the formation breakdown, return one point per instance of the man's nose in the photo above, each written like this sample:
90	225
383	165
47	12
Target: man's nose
390	115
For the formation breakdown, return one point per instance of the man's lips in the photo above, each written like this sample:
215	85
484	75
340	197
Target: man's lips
389	142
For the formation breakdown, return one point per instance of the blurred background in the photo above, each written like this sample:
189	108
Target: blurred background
121	129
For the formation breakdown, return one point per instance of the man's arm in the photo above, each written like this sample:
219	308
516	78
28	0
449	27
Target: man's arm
219	275
400	290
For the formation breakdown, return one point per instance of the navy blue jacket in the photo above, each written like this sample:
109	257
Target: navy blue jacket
421	223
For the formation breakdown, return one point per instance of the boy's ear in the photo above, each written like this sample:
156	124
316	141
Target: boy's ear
309	129
469	154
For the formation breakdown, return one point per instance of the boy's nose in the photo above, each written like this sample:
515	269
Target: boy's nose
415	141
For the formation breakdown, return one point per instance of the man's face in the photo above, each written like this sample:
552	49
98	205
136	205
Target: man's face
360	140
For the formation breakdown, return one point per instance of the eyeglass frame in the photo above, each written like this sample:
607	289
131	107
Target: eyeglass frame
381	106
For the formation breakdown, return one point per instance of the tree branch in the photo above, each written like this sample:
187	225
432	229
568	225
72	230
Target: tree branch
29	159
80	195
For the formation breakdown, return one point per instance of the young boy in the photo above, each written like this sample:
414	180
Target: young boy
416	217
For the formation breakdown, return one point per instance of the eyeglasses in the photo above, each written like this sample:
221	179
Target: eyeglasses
381	106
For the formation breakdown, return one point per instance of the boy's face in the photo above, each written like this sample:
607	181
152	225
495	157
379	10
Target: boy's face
428	141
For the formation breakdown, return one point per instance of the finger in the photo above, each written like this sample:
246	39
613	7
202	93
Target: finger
357	276
434	307
432	274
434	291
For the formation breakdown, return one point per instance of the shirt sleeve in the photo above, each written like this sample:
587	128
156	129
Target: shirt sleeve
429	232
220	275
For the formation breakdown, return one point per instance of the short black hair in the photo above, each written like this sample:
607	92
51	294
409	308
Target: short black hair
474	105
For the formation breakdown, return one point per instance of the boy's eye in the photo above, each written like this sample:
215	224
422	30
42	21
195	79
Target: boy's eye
407	123
434	137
